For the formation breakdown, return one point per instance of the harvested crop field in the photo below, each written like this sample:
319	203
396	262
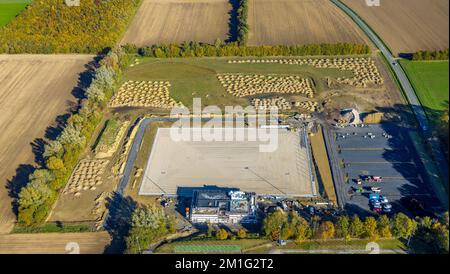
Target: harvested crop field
177	21
54	243
407	25
287	22
35	89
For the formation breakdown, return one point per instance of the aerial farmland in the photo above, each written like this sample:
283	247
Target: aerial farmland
35	90
223	126
408	26
287	22
177	21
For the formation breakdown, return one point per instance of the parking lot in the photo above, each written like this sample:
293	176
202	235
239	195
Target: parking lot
383	150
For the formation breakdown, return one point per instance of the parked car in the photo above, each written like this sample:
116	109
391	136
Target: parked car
375	203
377	210
387	208
383	200
376	189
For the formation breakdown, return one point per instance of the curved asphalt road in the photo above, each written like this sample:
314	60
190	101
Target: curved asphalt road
419	112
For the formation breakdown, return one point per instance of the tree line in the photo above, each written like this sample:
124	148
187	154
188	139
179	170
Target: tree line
220	49
279	225
242	25
50	26
430	55
61	155
148	223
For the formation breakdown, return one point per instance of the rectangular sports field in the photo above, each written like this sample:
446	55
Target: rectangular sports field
176	167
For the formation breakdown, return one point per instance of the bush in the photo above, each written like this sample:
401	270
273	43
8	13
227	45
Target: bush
242	234
221	234
326	230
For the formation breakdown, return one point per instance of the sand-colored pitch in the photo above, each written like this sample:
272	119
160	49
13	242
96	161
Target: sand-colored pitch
176	21
34	90
407	25
287	22
280	167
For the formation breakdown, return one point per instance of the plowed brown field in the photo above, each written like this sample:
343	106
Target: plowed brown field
54	243
287	22
34	90
407	25
176	21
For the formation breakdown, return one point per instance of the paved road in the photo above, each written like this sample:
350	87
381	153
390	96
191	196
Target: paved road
335	251
419	112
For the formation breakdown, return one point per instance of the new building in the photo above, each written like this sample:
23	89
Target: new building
220	206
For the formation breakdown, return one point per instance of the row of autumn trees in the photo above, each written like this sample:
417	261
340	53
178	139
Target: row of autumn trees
279	225
219	49
148	224
61	155
430	55
50	26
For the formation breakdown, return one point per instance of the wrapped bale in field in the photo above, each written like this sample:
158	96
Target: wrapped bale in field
144	94
271	103
87	174
365	72
241	85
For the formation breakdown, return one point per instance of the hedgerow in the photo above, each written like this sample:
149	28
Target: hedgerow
430	55
194	49
61	155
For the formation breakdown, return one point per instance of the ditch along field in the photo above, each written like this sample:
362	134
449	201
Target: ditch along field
288	22
35	89
177	21
407	25
10	9
54	243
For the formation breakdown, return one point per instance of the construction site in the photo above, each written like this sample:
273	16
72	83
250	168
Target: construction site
179	167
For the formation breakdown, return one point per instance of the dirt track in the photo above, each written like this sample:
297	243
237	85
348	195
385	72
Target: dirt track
34	90
176	21
407	25
54	243
277	22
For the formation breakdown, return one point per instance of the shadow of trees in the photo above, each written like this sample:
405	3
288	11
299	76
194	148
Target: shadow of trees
118	221
233	21
405	159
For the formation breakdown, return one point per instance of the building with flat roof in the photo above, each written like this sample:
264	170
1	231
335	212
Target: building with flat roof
220	206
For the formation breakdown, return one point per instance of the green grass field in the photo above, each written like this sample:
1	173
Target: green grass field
9	9
109	133
430	80
210	246
196	77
